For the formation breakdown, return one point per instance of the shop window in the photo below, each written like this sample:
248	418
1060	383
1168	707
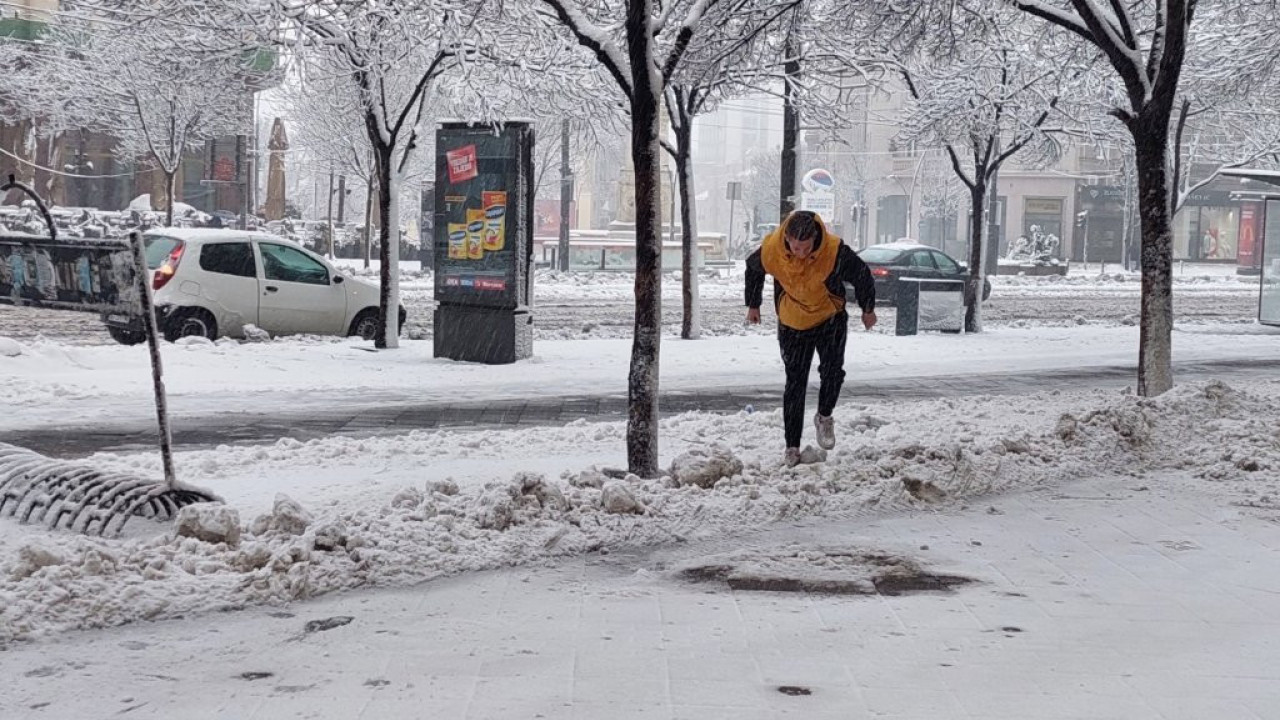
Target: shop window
1206	233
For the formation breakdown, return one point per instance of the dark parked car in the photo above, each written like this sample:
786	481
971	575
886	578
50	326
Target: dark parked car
900	259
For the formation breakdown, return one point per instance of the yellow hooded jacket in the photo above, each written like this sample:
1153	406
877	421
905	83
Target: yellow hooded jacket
806	302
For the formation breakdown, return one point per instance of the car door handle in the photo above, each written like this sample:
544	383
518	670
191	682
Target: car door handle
272	288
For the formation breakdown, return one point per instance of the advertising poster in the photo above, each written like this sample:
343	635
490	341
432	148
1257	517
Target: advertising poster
72	274
479	178
1248	251
1269	303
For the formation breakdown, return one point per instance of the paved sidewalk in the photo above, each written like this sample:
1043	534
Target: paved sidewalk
1101	600
396	415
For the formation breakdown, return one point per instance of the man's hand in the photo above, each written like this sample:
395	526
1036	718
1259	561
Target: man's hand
869	319
753	316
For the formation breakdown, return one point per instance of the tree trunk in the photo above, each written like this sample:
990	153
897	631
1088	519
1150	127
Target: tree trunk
790	132
171	188
387	335
1155	343
642	385
370	189
691	325
978	229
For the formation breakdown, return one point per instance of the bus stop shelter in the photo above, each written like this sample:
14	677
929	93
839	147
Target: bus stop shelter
1269	284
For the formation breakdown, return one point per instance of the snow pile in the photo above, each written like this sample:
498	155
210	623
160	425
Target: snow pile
704	467
253	333
923	454
9	347
209	523
617	498
1211	430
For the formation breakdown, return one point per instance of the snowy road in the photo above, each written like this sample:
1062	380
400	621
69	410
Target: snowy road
600	306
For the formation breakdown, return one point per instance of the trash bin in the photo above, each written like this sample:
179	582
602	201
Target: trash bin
929	304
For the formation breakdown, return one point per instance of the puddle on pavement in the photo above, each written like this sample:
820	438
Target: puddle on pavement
820	570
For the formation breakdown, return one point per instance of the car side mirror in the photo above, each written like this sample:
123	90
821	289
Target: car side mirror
338	279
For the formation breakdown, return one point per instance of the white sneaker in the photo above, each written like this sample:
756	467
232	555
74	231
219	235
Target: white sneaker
825	425
791	457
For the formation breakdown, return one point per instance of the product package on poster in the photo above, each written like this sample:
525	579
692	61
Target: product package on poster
475	233
495	219
457	241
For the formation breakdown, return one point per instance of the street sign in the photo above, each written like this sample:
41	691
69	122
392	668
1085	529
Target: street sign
817	193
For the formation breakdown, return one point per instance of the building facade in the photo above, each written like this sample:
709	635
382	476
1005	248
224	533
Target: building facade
80	168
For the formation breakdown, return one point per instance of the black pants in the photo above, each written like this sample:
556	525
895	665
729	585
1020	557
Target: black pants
798	347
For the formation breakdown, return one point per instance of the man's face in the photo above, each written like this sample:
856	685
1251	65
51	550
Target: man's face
800	248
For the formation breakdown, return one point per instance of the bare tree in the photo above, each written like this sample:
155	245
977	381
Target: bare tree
640	43
729	56
985	101
393	54
135	77
1150	45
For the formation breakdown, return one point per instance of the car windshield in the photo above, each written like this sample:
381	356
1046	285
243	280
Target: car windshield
158	249
879	254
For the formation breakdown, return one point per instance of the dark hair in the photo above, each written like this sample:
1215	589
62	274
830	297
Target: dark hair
803	225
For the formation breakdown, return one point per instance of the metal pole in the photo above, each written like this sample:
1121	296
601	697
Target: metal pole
342	199
253	160
790	127
328	216
242	174
153	346
1085	241
566	189
732	200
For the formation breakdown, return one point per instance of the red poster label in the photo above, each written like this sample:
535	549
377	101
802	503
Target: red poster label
462	164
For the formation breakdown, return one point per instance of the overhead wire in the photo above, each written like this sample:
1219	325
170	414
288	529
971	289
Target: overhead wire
62	173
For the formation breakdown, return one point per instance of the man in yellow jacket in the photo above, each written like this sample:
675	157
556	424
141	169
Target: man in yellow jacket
810	268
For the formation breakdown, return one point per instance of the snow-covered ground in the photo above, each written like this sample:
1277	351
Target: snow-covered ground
1112	598
595	305
397	510
393	510
49	383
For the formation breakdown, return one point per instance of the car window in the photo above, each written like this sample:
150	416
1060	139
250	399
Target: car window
228	259
880	255
280	262
159	248
921	260
946	264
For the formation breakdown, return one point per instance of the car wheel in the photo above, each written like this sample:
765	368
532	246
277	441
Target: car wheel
193	322
126	337
365	325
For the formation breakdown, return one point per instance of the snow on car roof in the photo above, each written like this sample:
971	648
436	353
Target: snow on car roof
899	245
199	235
